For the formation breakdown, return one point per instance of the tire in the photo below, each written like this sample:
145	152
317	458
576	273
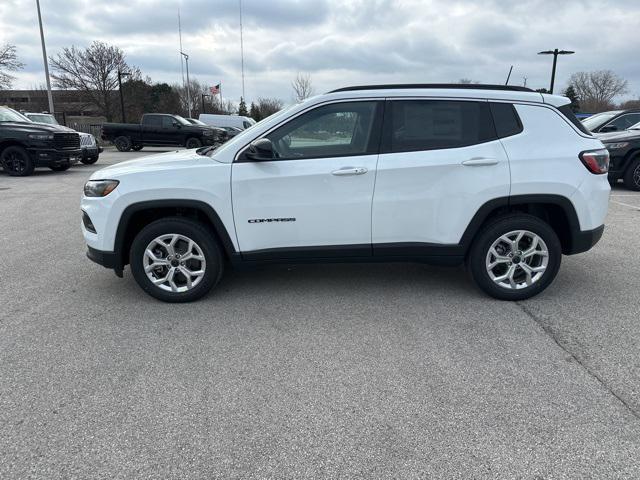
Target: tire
137	148
480	259
89	160
60	168
16	161
193	143
156	237
632	175
122	143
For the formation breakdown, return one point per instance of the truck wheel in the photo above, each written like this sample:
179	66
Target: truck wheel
137	148
632	175
176	260
60	168
122	143
16	161
515	257
193	143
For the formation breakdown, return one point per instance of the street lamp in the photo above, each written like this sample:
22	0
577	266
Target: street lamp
120	75
186	61
204	95
555	54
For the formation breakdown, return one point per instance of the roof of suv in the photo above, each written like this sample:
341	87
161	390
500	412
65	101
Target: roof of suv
447	90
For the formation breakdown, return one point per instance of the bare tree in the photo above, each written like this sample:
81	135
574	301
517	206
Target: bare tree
596	90
8	63
302	87
93	70
264	107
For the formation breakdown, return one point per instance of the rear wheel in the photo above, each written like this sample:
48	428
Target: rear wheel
176	260
16	161
193	143
122	143
515	257
632	175
60	168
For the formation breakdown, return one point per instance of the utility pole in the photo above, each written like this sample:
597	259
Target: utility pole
120	75
241	54
186	61
204	95
555	54
44	57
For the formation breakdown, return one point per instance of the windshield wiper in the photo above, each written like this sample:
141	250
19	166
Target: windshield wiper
206	150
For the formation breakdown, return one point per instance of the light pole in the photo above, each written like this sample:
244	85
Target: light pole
186	61
44	57
120	75
204	95
555	54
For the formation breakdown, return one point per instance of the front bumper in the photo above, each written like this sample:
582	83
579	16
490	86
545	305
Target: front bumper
90	152
106	259
48	157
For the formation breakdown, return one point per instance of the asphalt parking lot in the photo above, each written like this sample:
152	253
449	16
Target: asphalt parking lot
351	371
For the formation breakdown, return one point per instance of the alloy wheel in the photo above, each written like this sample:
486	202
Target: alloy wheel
517	259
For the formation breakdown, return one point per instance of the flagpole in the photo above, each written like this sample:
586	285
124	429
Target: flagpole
220	92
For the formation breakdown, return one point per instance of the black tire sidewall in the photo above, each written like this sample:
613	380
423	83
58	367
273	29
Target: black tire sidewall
122	143
189	228
628	175
197	143
30	166
486	237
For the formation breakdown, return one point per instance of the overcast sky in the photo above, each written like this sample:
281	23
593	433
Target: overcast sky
339	42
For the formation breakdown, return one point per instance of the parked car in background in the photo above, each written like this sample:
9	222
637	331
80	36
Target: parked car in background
232	131
217	120
624	151
90	148
160	129
613	121
501	178
25	145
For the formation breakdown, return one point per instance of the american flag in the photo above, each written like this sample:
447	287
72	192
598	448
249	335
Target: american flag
215	90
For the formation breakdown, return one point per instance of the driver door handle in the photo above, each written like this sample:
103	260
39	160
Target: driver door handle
349	171
480	161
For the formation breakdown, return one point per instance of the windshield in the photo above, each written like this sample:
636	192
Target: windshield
10	115
42	118
598	120
181	120
197	122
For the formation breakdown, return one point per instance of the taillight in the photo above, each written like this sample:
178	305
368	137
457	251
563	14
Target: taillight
596	161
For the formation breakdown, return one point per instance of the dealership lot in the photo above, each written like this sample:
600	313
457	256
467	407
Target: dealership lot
398	370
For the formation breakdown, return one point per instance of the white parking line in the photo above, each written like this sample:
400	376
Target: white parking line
636	207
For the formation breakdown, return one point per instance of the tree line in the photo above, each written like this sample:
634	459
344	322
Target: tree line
94	72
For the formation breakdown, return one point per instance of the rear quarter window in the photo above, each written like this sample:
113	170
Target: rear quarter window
566	111
505	119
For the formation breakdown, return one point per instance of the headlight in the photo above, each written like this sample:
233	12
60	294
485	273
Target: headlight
99	188
41	136
616	146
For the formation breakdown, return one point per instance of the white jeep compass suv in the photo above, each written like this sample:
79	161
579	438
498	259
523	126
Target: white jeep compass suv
503	179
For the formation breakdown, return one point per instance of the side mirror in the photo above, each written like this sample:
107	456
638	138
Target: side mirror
609	128
260	150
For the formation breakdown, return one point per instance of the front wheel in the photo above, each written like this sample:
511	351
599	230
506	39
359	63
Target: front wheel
122	143
632	175
16	161
193	143
176	260
515	257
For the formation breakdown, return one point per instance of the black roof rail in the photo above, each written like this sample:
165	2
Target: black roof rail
461	86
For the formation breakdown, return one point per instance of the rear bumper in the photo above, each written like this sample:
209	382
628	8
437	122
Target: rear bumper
585	240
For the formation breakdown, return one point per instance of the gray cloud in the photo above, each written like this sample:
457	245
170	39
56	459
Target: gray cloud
339	42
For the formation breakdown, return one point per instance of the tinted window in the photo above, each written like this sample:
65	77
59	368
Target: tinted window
152	120
596	121
624	121
505	119
431	124
569	115
167	122
333	130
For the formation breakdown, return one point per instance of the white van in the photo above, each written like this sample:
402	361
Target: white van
227	120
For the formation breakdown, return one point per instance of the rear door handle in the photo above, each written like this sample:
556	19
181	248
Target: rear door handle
480	161
349	171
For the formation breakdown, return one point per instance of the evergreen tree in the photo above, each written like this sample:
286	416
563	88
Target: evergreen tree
254	113
242	108
571	94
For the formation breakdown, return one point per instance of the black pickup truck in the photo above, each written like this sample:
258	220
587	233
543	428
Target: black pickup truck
159	129
25	145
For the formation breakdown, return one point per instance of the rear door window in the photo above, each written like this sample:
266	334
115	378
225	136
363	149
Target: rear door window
414	125
506	119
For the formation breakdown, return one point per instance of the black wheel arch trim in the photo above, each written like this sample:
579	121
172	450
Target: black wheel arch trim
208	210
